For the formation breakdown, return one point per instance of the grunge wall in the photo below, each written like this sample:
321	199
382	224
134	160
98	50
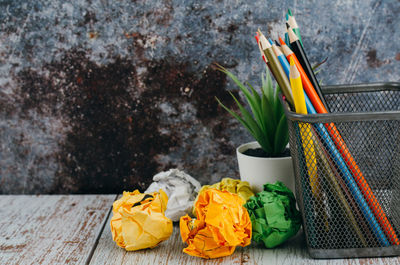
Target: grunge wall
98	96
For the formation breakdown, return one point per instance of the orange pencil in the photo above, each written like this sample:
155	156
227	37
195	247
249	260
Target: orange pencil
344	151
307	85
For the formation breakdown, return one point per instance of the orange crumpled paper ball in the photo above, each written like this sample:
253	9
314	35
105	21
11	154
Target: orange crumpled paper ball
222	224
138	220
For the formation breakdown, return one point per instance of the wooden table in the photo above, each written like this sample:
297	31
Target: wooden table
74	229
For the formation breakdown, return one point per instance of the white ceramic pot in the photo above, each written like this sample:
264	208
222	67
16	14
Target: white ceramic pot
260	170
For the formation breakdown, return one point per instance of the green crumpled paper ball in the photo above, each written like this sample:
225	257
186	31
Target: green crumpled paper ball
273	215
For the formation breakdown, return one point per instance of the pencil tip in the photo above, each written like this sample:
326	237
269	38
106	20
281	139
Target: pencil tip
287	16
277	43
287	26
263	41
270	41
281	41
289	12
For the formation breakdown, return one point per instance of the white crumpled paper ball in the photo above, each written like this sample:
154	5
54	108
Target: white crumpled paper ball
181	189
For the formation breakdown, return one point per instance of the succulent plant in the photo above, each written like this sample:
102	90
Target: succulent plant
267	121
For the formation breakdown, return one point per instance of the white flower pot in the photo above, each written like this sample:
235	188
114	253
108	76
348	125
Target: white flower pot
260	170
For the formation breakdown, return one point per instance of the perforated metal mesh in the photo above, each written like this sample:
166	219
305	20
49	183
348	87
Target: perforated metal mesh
333	176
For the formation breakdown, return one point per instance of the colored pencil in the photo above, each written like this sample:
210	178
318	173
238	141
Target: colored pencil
332	175
307	85
285	64
282	59
370	218
353	187
297	89
344	159
293	24
305	129
363	184
307	142
287	41
276	68
259	47
347	178
323	132
358	176
302	58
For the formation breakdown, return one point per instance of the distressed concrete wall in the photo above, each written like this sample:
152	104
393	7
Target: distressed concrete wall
97	96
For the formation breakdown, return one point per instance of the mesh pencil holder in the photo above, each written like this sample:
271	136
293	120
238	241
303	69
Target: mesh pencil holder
347	170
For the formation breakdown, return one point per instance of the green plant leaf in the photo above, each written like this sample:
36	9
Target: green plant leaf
277	106
251	128
268	118
281	136
257	109
251	98
319	64
254	92
249	120
266	122
240	119
255	129
268	88
263	82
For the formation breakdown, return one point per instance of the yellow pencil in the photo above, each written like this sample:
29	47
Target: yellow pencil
297	89
305	128
306	137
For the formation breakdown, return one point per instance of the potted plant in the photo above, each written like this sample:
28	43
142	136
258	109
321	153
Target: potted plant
268	158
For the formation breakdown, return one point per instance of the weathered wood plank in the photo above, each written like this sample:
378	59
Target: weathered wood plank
294	252
50	229
170	252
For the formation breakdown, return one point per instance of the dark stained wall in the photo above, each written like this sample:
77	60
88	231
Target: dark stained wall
98	96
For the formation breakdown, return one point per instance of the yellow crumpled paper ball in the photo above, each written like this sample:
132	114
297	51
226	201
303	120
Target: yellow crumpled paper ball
222	224
138	220
236	186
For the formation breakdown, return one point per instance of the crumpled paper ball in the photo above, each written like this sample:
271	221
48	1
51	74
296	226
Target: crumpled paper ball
273	215
181	189
138	220
222	224
236	186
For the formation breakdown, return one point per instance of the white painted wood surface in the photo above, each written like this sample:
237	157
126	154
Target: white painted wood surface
50	229
63	229
170	252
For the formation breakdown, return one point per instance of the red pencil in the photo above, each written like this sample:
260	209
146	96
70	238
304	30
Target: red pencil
257	36
344	151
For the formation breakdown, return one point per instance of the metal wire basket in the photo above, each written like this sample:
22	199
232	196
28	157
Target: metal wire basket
335	220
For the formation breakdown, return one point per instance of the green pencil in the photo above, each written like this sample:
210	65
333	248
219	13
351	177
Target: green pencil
293	24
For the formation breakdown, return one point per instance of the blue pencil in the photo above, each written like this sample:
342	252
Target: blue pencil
348	178
352	185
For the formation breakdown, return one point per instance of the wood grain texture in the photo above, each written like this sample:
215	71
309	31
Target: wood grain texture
294	251
64	229
170	252
50	229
